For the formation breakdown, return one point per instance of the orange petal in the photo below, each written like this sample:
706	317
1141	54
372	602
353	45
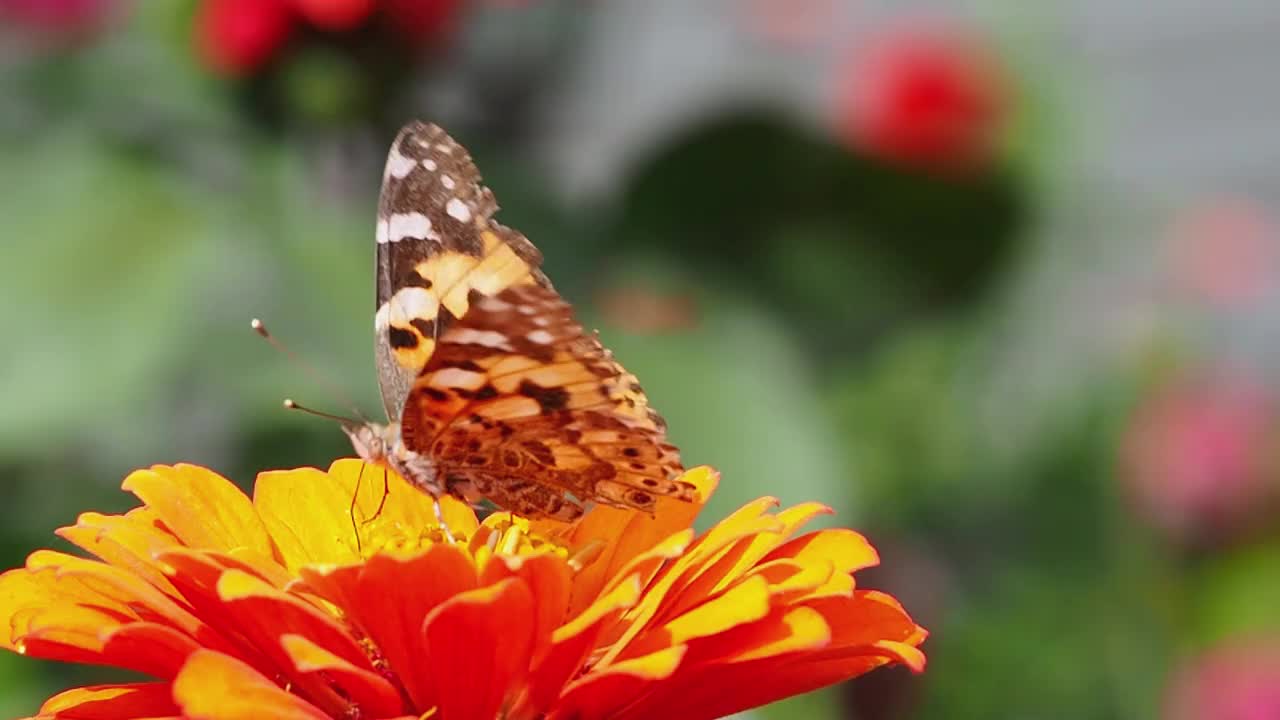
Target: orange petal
549	578
606	693
264	613
389	596
129	542
789	580
213	686
743	668
149	648
479	645
847	550
112	702
744	603
663	591
866	618
370	694
202	508
746	554
25	592
119	589
628	533
570	645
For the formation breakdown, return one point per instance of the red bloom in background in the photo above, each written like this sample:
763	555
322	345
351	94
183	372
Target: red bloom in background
1195	455
237	37
1234	682
927	97
336	15
422	21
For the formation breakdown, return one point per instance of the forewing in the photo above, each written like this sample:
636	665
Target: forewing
438	250
518	404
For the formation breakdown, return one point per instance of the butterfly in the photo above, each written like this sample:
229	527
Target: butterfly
492	389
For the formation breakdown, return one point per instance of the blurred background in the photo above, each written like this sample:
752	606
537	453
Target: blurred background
994	279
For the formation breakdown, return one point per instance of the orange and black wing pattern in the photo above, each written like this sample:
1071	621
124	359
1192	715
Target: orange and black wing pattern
493	381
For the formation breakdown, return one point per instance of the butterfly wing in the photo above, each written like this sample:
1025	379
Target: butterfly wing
437	251
518	404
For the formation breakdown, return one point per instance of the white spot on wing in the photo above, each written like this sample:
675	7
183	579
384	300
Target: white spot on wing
542	321
430	164
448	182
380	232
527	310
487	338
458	210
382	318
457	378
398	165
411	225
409	303
493	304
542	337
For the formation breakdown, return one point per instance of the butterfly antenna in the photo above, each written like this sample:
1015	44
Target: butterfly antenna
316	376
291	405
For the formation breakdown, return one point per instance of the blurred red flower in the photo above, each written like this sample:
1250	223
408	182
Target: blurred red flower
1195	455
422	21
924	96
337	15
1238	681
237	37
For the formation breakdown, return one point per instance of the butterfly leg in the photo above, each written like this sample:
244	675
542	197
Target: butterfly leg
444	527
382	503
351	511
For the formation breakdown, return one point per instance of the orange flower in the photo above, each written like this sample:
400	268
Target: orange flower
269	608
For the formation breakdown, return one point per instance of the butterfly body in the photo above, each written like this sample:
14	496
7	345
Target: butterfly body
492	389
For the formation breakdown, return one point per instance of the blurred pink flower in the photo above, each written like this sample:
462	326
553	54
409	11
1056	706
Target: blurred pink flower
1225	251
57	20
1239	681
1195	456
238	37
926	96
788	23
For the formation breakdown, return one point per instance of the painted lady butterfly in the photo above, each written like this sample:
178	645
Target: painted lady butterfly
493	389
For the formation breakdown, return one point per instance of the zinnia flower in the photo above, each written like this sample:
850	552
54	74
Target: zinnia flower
270	608
925	96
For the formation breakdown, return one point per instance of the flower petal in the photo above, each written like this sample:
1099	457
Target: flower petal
371	695
306	513
847	550
868	618
265	613
213	686
129	542
628	533
112	702
479	645
743	668
202	508
570	645
389	596
118	588
744	603
604	694
549	578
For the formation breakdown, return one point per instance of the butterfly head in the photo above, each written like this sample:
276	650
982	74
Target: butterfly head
372	441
